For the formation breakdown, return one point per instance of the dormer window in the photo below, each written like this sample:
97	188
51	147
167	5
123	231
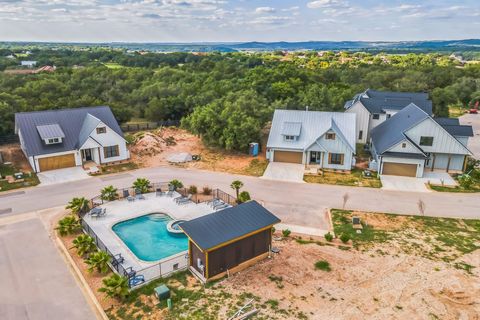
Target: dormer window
291	131
101	130
51	133
376	116
54	140
290	138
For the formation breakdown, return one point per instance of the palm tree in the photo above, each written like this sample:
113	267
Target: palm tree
84	244
141	184
176	184
78	205
115	286
236	185
109	193
68	225
98	260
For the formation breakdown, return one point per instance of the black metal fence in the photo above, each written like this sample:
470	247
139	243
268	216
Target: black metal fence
9	139
130	127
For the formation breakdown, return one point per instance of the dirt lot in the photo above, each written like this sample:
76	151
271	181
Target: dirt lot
152	148
12	153
399	267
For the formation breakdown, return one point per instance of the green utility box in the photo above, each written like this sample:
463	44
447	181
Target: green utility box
162	292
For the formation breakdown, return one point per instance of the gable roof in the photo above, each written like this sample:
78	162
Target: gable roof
396	95
313	125
49	131
453	126
391	132
232	223
72	122
291	128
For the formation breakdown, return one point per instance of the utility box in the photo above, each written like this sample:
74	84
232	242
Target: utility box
162	292
254	149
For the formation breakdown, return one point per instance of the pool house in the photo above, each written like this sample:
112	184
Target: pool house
229	240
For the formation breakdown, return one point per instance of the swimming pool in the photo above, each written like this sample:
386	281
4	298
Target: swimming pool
147	237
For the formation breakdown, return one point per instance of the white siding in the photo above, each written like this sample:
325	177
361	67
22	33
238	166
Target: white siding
335	146
443	142
409	148
376	122
441	162
110	138
463	140
362	121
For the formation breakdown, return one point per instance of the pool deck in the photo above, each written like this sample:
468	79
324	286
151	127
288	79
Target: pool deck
122	210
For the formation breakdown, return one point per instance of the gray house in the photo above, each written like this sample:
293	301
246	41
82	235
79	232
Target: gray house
374	107
411	141
323	140
55	139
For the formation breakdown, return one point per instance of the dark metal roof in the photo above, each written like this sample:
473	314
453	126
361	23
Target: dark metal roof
459	130
447	121
405	155
70	121
50	131
379	105
396	94
220	227
391	131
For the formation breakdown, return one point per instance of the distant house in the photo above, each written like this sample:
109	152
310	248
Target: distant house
411	142
64	138
228	241
374	107
323	139
28	63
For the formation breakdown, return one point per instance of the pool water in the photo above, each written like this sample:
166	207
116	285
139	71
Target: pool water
147	237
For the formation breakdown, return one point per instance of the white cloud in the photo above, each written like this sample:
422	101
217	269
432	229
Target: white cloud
326	4
261	10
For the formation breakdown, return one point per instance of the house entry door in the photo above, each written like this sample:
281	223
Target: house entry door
315	156
87	154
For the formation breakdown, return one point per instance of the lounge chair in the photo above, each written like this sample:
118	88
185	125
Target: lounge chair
130	199
117	259
184	200
125	193
215	202
171	190
159	192
129	272
221	206
102	213
139	196
136	280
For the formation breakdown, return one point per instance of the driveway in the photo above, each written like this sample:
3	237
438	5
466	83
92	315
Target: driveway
36	283
290	172
398	183
62	175
473	142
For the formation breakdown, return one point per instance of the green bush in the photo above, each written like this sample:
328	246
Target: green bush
141	185
68	225
78	205
115	286
176	184
98	261
286	233
323	265
109	193
84	245
192	189
244	196
329	237
344	237
465	181
206	190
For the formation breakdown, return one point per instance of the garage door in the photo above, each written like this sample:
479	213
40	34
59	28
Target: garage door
287	156
399	169
58	162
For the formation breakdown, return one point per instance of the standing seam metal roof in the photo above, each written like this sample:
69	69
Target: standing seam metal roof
71	121
220	227
50	131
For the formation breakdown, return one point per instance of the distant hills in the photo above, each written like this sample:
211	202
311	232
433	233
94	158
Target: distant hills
375	46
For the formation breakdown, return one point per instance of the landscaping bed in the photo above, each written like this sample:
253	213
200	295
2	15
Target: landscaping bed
354	178
29	179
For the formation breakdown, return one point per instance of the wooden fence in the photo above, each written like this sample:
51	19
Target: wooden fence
132	127
9	139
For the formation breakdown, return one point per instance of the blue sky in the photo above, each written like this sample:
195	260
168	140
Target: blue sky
240	20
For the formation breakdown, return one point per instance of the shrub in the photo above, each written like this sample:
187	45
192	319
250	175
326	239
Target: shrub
192	189
84	245
98	260
206	190
68	225
329	237
109	193
141	185
465	181
286	233
244	196
78	205
344	237
115	286
176	184
323	265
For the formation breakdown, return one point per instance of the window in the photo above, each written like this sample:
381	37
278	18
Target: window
110	152
101	130
335	158
376	116
426	141
330	136
388	116
404	145
289	138
360	135
53	140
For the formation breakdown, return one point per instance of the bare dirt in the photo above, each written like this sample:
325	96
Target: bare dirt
153	148
14	154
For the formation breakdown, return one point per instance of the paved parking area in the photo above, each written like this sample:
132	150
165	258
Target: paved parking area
62	176
398	183
291	172
36	283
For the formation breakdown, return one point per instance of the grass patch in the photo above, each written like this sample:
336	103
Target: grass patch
323	265
355	178
256	167
474	188
29	180
455	111
118	168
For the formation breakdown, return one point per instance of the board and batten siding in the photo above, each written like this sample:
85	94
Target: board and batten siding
441	162
110	138
362	118
443	142
334	146
409	147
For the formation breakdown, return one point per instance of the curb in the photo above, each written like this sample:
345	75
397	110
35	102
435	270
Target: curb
92	300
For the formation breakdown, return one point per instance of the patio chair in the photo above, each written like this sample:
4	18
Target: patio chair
136	280
139	196
185	200
215	202
159	192
171	190
129	272
117	259
223	206
102	213
130	199
180	198
126	194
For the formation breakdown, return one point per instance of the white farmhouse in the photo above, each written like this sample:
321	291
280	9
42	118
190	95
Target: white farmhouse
63	138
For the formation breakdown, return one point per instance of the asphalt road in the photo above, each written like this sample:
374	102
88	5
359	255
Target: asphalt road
36	284
474	142
294	203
